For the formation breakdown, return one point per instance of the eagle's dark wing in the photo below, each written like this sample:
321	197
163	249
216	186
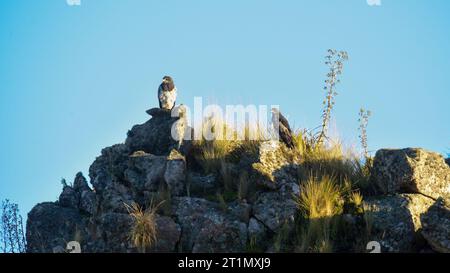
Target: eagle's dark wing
284	122
160	90
286	136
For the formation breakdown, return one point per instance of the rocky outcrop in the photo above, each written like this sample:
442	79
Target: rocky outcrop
411	171
395	220
50	225
154	136
208	228
436	226
272	167
225	210
276	208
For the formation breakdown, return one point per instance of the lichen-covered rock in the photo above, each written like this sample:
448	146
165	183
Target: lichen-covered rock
154	136
411	171
436	226
277	208
175	173
207	228
114	196
257	235
109	167
396	220
168	234
115	232
272	166
80	183
50	226
69	198
145	171
88	202
202	185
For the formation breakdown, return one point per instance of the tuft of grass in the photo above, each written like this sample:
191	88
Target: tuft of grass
143	233
320	198
321	202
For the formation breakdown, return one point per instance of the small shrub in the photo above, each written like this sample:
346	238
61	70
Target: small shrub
143	232
363	122
12	236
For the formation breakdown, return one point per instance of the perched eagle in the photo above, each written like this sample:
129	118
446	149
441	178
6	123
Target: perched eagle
284	130
167	93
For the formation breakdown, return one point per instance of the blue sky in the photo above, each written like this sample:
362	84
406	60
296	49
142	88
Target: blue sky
74	79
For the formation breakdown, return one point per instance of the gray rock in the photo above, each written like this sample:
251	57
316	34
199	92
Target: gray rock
257	234
88	202
114	196
59	249
202	185
411	171
154	136
109	167
115	232
396	220
175	173
206	228
80	184
50	226
145	171
275	209
240	210
272	168
69	198
436	226
168	234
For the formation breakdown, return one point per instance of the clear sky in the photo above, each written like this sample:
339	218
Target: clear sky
74	79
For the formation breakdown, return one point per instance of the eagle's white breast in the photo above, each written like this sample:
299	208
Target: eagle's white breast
167	98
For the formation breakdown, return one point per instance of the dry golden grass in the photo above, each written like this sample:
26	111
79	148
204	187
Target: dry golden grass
321	202
143	233
320	198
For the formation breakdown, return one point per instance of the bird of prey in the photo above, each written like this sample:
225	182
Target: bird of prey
284	130
167	93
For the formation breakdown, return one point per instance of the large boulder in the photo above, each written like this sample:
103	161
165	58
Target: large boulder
175	173
168	234
436	226
395	220
411	171
50	227
257	235
109	167
202	185
69	198
80	183
208	228
272	167
277	208
145	171
154	136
